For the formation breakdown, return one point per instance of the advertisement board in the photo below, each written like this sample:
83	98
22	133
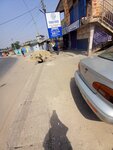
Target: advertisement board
72	27
54	24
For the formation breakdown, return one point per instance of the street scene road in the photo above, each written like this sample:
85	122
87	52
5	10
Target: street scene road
43	108
56	75
12	80
6	64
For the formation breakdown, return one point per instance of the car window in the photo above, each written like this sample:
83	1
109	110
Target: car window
108	54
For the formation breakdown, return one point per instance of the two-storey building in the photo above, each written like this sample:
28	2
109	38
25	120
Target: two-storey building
87	24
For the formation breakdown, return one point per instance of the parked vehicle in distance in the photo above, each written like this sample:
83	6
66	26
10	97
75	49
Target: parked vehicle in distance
94	79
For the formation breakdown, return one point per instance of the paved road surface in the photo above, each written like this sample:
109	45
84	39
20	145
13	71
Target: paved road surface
13	76
6	64
50	113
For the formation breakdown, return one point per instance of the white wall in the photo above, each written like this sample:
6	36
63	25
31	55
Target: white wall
36	47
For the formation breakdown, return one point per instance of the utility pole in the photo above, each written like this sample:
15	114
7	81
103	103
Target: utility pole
43	6
43	10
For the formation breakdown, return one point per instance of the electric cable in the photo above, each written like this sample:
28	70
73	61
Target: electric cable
31	17
5	22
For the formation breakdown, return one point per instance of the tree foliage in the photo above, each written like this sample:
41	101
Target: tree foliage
15	45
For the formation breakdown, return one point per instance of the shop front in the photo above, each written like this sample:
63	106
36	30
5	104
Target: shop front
66	41
73	38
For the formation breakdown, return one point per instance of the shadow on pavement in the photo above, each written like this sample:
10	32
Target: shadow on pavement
6	64
56	137
80	102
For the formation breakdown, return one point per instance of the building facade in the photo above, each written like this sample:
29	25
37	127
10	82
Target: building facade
87	24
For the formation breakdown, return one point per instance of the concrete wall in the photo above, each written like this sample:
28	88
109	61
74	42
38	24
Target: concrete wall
35	47
83	33
39	47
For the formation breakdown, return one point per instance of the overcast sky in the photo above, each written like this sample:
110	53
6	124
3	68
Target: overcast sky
23	28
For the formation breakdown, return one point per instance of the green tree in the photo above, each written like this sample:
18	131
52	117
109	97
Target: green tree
15	45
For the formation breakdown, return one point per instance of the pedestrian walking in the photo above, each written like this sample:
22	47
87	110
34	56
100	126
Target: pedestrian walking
56	46
51	46
23	51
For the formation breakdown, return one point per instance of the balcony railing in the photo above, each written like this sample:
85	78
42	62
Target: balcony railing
105	16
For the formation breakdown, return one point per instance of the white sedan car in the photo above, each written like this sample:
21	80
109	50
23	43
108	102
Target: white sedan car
94	79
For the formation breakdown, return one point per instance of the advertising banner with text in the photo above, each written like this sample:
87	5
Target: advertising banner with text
54	24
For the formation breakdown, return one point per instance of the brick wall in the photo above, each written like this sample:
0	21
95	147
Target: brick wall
96	9
89	9
97	6
67	5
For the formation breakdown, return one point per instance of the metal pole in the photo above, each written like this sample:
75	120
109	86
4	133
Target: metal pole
44	11
43	6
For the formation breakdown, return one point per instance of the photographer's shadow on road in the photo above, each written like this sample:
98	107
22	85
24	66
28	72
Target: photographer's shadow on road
56	138
80	102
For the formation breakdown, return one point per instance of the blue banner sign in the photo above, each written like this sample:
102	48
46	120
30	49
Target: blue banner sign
100	37
54	24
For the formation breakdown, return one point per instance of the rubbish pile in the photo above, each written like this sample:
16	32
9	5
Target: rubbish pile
40	56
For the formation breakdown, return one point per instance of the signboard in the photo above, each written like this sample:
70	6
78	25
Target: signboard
74	26
71	28
100	37
54	24
65	30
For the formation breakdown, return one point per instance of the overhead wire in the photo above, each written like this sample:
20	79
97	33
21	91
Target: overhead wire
21	29
5	22
23	14
26	23
36	27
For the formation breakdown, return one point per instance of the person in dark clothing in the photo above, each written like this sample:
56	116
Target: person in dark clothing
22	51
56	47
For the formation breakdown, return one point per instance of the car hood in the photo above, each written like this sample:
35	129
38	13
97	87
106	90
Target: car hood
102	66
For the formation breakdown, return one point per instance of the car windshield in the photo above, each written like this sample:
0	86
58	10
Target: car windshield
107	54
